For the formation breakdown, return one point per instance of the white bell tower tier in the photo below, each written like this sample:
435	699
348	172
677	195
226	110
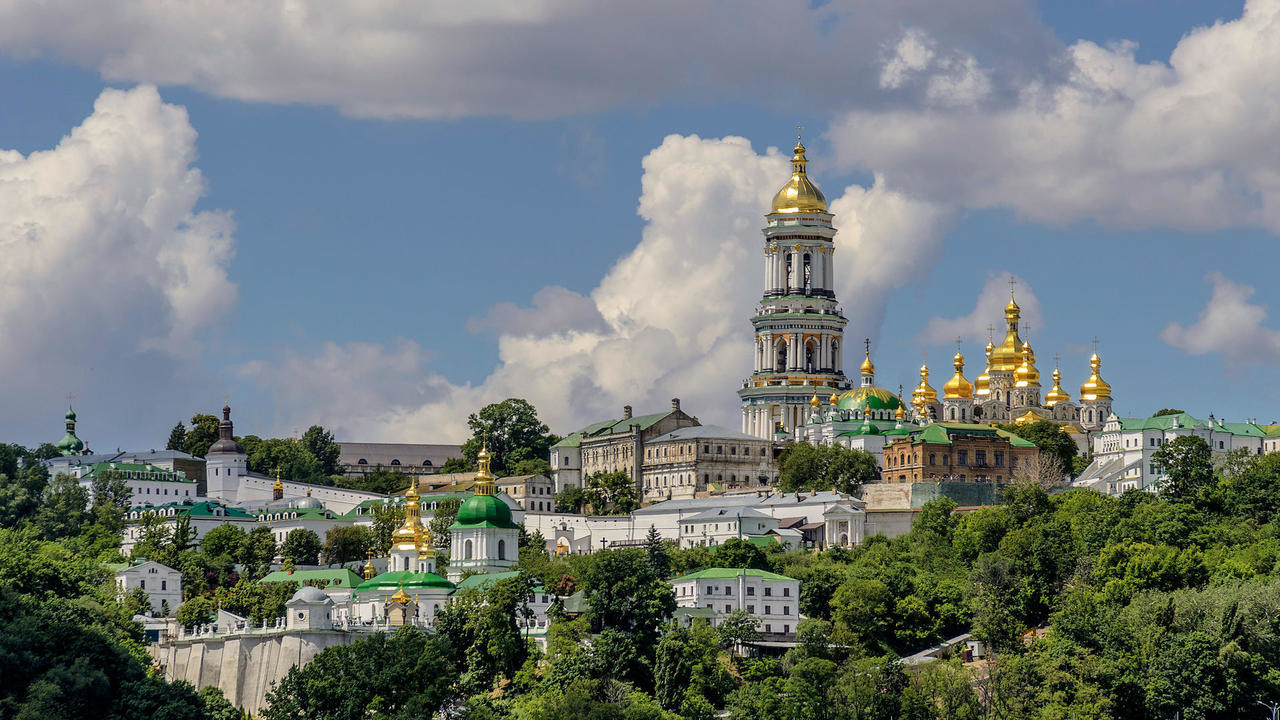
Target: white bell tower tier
799	326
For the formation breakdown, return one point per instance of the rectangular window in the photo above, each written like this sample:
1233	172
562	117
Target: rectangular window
142	584
980	457
164	585
786	592
751	609
768	610
728	608
786	609
728	589
751	591
786	629
768	591
768	628
962	457
999	458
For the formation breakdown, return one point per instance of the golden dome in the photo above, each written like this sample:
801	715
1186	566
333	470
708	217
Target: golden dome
799	194
1027	374
982	383
924	393
958	387
814	402
868	367
369	570
401	597
426	544
1095	388
1057	394
484	484
834	398
406	536
1008	356
899	413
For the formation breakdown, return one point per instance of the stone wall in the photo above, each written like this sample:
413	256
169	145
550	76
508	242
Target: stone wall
245	667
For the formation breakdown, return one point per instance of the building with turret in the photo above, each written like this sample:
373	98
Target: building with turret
798	325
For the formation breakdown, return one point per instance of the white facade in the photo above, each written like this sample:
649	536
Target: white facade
566	465
309	609
772	599
203	516
715	527
1123	449
162	584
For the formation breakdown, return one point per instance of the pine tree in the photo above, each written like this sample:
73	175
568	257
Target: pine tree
656	551
177	437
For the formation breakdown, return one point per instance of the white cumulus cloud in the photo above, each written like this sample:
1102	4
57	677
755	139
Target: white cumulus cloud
669	320
987	311
1229	324
109	276
1191	143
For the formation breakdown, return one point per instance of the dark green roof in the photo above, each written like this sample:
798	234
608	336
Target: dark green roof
340	577
862	398
729	573
196	509
940	433
484	580
484	511
404	578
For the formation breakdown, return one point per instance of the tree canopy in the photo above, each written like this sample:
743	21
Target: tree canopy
515	436
802	466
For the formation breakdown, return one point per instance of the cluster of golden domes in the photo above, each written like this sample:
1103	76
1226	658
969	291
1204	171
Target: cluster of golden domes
1016	356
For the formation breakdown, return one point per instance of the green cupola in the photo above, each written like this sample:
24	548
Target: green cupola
70	444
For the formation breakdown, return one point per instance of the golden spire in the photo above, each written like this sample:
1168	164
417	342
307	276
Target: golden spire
799	194
401	597
1057	394
278	485
868	367
406	537
958	387
484	484
814	402
1095	388
924	393
426	544
982	383
369	570
1027	374
1008	355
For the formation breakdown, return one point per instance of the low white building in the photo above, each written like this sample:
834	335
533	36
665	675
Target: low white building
161	583
1123	449
204	515
714	527
772	599
148	484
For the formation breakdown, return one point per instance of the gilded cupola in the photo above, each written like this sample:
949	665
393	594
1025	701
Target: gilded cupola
1027	375
982	383
814	402
1095	388
1057	394
799	194
1008	356
924	394
406	537
957	387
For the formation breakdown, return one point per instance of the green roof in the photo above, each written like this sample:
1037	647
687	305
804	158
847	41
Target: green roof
196	509
764	541
484	580
940	433
862	398
405	579
1186	421
298	514
484	511
340	577
609	427
730	573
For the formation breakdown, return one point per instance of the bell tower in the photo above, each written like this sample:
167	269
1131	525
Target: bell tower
799	326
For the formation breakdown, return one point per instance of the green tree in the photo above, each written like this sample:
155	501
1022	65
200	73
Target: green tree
1167	411
405	674
258	551
1051	439
484	640
1187	464
738	630
63	508
196	611
386	519
254	600
302	546
201	435
802	466
346	543
177	438
21	488
611	493
623	593
385	482
319	442
513	432
291	457
442	517
572	499
223	541
655	551
735	553
110	494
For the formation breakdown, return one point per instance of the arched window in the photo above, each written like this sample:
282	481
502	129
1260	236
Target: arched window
502	549
780	363
362	461
835	354
395	461
953	413
808	273
466	550
426	463
808	357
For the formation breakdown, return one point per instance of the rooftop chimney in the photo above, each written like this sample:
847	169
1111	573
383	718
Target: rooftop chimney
675	404
626	412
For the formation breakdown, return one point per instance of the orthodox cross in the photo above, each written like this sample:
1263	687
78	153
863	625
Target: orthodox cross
70	398
958	342
1056	359
1012	282
990	332
867	343
1095	344
799	128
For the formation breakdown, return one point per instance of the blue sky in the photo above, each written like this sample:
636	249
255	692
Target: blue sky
375	220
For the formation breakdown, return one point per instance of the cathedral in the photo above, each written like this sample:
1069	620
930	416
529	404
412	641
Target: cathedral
798	390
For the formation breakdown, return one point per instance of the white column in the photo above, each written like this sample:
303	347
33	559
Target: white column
830	265
819	270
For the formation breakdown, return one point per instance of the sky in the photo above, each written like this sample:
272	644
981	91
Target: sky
379	217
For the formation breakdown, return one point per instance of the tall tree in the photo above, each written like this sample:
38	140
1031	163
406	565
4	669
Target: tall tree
319	442
513	432
344	544
1187	464
177	438
1051	440
302	546
803	466
202	433
655	551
